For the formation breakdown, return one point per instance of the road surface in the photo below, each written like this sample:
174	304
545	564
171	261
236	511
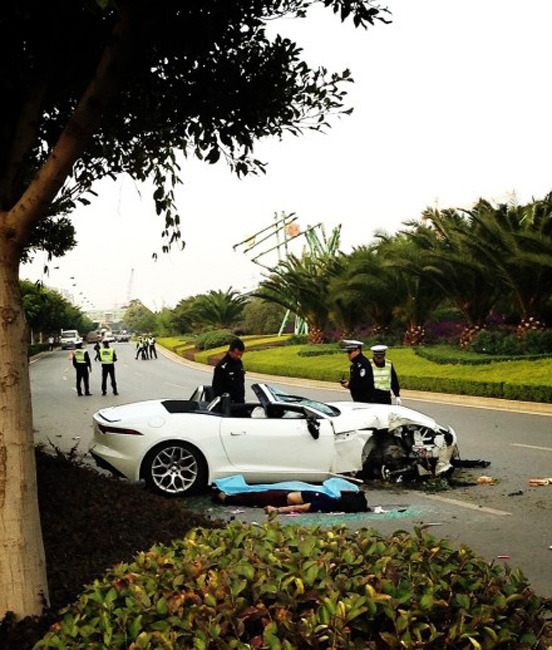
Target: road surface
496	520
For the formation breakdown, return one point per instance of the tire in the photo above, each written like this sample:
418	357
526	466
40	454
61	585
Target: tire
175	469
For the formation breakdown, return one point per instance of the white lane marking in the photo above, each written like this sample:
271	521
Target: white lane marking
518	444
465	504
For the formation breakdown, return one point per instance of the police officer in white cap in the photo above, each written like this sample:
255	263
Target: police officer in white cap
384	378
360	382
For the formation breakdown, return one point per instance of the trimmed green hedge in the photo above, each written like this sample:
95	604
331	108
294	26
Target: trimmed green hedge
447	355
528	379
503	390
35	348
285	587
525	380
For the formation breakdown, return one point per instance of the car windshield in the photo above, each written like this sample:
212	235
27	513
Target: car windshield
69	333
326	409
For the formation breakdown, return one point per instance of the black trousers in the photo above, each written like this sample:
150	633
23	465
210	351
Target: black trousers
82	378
108	370
152	352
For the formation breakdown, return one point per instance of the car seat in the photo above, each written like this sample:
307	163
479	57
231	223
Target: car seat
258	412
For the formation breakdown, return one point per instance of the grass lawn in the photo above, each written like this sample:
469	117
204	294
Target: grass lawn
410	368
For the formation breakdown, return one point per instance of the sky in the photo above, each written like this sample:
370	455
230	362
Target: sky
452	102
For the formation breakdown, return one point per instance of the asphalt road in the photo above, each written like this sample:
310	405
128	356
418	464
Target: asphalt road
496	520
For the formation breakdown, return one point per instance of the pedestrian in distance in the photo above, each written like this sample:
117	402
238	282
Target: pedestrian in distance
151	346
83	366
97	348
229	373
50	343
108	357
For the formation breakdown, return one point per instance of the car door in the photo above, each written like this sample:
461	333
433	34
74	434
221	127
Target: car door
278	448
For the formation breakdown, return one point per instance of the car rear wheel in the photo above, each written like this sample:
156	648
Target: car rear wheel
175	469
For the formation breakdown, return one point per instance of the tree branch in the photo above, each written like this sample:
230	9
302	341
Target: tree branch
34	203
22	142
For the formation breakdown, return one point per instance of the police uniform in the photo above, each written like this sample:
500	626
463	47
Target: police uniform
384	378
361	383
83	365
108	357
229	377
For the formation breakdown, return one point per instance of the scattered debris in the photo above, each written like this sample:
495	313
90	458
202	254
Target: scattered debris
503	557
537	482
486	480
515	494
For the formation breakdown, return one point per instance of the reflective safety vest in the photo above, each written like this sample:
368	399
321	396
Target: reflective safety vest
382	376
106	355
79	356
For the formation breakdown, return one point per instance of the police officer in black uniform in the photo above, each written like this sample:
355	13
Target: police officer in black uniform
229	373
361	381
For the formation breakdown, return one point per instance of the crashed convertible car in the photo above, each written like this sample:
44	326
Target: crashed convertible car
178	447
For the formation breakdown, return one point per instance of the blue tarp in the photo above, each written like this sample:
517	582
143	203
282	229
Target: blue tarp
332	487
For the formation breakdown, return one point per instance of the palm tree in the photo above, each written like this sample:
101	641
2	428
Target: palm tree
301	285
444	240
517	240
218	309
417	296
363	290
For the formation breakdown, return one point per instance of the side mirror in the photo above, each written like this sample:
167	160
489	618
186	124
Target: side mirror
313	426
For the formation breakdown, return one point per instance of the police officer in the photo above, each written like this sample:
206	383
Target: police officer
83	366
360	382
151	347
385	380
108	357
229	373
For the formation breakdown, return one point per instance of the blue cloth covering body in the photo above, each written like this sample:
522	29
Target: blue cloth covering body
332	487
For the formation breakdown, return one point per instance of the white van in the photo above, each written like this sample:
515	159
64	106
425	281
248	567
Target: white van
69	339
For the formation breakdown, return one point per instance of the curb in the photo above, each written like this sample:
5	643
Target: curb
489	403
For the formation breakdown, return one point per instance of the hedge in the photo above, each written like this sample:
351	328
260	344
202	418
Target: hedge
446	355
35	348
285	587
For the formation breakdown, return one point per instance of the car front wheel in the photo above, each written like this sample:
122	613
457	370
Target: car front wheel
175	469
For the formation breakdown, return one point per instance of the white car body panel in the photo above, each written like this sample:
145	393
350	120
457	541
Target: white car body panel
279	447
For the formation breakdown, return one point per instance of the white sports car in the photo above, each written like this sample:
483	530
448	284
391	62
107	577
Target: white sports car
180	446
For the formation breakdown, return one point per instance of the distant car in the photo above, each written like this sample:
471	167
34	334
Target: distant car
180	446
122	336
69	339
107	335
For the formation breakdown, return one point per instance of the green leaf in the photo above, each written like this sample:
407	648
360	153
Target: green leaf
135	627
162	606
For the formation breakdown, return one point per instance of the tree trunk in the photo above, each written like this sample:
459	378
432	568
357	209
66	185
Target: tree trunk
22	561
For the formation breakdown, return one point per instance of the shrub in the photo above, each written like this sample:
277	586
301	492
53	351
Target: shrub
444	332
298	339
496	342
447	355
538	341
504	342
35	348
214	339
290	587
